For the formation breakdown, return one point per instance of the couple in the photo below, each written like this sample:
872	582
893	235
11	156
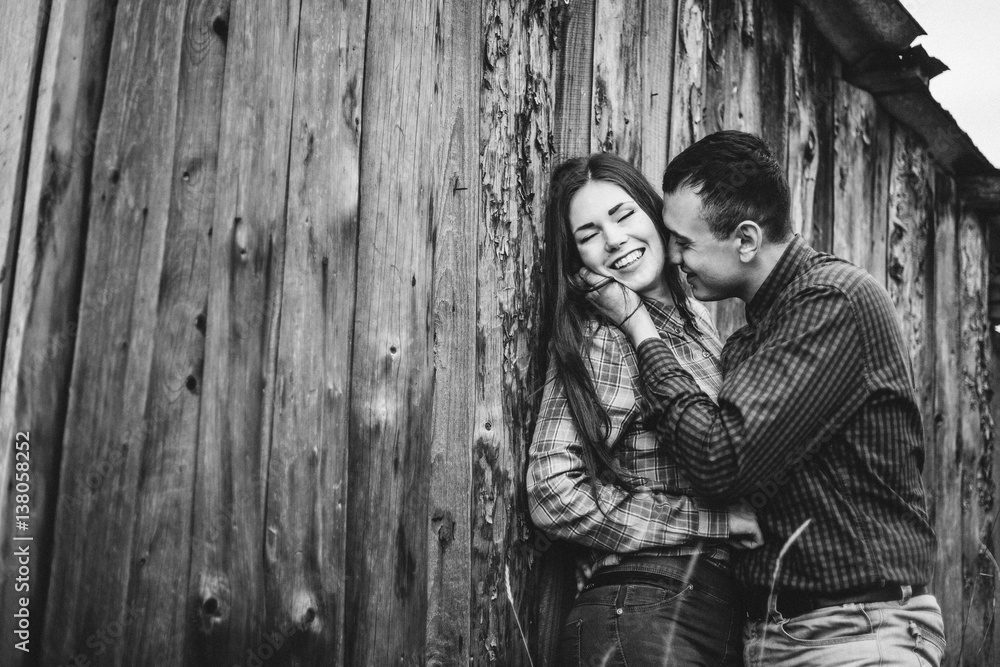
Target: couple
651	435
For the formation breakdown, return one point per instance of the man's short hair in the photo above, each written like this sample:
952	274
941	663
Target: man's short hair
738	179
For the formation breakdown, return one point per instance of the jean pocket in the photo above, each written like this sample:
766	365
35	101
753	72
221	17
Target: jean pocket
831	625
647	597
928	644
569	645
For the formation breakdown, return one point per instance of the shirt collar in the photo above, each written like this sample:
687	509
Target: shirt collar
787	268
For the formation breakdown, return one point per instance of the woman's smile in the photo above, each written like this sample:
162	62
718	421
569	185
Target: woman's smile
629	260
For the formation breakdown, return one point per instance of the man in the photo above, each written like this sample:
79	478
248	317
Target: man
816	422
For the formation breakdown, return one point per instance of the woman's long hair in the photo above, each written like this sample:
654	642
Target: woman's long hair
566	312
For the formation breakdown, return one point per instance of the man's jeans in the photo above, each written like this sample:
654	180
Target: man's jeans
696	622
902	632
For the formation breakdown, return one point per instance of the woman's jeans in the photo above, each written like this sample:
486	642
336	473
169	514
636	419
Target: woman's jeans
679	620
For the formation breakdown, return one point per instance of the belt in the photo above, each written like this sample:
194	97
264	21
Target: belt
625	578
791	603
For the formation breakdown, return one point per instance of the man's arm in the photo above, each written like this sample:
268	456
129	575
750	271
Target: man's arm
789	394
566	503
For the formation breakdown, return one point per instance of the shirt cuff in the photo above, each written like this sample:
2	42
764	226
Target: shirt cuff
655	359
713	524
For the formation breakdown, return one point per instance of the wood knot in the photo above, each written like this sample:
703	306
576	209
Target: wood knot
220	25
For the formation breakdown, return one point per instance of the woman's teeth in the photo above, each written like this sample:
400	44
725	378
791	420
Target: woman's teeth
628	259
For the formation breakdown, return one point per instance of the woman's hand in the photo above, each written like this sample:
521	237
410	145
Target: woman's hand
619	304
611	299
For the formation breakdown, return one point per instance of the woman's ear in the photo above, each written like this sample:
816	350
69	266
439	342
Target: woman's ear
750	237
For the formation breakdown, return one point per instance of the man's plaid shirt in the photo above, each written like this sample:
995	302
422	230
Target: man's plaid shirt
662	519
816	420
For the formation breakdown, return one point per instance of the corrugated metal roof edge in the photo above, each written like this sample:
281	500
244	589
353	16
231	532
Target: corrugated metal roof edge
873	39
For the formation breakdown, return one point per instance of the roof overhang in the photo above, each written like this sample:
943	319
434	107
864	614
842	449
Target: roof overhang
872	38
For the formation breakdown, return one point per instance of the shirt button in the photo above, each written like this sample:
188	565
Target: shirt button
705	354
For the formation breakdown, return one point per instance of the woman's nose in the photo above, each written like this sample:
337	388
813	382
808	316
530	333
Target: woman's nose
614	238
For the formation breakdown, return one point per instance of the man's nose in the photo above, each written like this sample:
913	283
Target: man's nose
674	252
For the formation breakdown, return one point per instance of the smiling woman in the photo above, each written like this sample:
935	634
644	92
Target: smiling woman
662	591
618	239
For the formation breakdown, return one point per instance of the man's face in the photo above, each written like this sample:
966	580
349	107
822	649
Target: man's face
712	266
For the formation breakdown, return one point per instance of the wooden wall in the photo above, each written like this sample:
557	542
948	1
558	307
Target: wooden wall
270	306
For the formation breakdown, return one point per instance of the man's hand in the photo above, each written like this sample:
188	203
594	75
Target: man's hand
744	532
583	572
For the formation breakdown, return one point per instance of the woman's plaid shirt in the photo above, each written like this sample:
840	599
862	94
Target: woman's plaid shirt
662	519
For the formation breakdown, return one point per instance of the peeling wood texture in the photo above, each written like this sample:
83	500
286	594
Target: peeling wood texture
732	100
515	126
942	467
976	439
273	277
618	92
910	218
862	155
810	134
689	75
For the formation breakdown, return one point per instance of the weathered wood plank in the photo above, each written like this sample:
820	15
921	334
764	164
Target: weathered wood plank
774	37
306	516
975	432
516	158
226	586
910	212
862	154
659	49
23	37
689	76
992	353
392	373
106	421
633	76
981	193
810	142
732	84
162	548
458	219
34	390
732	99
573	75
618	91
942	469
